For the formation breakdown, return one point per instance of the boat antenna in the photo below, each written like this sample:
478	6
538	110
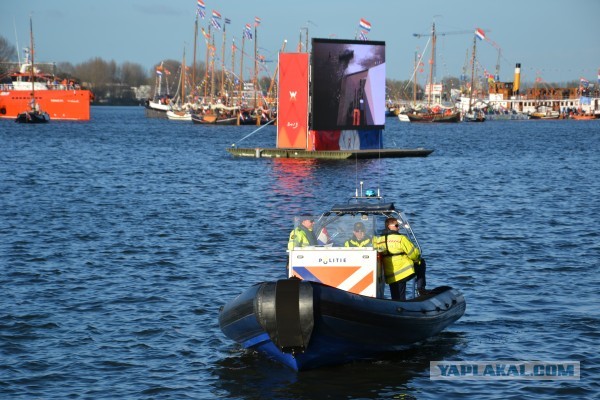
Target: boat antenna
356	172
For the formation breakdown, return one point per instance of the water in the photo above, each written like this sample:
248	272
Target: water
122	237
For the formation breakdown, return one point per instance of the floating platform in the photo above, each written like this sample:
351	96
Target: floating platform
328	154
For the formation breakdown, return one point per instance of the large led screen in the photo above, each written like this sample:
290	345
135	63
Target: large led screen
348	84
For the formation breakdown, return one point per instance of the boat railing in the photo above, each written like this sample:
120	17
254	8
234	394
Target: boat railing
49	86
52	86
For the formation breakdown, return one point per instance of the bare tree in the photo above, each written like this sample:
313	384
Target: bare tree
7	54
132	74
97	71
65	70
7	51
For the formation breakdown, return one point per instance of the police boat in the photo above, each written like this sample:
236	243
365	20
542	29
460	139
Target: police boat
331	308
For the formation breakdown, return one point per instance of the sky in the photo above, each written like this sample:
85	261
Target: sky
553	40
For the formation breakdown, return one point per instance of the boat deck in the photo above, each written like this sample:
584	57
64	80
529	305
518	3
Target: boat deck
328	154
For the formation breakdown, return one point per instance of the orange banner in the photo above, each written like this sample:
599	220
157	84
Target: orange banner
292	101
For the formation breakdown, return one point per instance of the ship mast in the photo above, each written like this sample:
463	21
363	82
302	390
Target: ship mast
223	60
32	67
472	71
242	70
212	70
415	79
183	67
207	36
255	64
431	63
273	79
194	65
232	86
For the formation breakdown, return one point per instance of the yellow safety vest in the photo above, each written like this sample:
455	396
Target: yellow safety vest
298	238
355	243
399	255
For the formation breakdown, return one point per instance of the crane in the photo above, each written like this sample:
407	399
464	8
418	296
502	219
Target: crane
433	34
420	35
495	45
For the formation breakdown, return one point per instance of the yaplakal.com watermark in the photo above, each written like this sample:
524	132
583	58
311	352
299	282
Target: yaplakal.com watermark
504	370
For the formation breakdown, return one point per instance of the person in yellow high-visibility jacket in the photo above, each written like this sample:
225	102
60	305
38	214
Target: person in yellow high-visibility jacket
401	260
359	237
303	234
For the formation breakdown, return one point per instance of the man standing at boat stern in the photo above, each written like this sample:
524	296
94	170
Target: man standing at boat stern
401	260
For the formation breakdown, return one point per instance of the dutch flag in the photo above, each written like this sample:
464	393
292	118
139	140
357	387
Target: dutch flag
364	24
480	34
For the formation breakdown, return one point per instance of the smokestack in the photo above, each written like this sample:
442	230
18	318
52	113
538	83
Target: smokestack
517	82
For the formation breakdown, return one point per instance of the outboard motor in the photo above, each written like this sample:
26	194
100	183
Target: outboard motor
286	314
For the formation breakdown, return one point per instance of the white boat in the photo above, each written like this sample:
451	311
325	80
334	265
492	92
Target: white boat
505	115
158	106
179	108
160	102
403	117
179	115
473	116
544	112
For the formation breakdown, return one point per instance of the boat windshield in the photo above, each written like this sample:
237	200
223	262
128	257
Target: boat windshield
345	228
337	228
336	231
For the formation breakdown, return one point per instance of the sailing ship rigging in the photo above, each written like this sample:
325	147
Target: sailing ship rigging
474	115
221	95
430	111
34	114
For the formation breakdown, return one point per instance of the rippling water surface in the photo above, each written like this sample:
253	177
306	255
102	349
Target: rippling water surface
122	237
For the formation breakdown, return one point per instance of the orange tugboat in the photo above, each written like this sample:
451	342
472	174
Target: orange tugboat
61	100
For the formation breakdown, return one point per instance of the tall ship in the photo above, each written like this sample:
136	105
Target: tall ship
61	99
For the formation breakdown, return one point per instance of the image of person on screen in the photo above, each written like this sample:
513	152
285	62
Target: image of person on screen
348	84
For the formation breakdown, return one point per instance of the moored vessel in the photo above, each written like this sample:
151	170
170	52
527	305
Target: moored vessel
583	117
434	114
214	119
544	112
507	100
61	100
32	117
179	115
29	94
33	114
